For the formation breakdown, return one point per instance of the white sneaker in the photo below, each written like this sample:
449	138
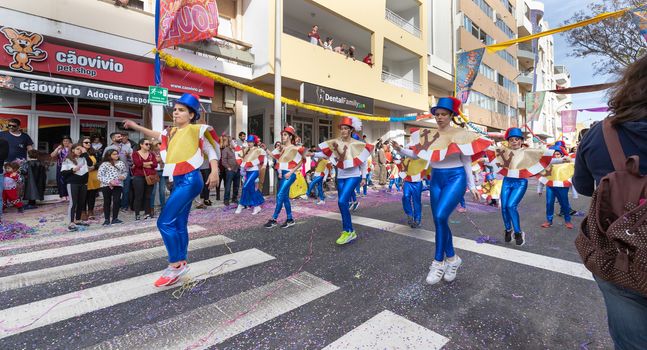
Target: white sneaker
321	202
257	209
239	209
452	267
436	272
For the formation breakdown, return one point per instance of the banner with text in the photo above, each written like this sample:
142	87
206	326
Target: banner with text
184	21
534	104
569	121
467	68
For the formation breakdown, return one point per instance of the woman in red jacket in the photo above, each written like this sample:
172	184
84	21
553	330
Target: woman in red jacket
144	164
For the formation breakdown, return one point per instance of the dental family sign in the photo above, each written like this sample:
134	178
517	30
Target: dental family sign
183	21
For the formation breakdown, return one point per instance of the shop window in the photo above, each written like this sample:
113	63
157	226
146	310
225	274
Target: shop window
50	132
4	118
55	104
15	100
255	125
325	130
93	128
128	111
92	107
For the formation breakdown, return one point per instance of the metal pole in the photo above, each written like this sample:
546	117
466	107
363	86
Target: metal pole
278	30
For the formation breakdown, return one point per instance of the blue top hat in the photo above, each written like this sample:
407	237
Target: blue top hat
451	104
192	101
513	132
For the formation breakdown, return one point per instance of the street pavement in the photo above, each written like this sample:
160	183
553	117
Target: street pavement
254	288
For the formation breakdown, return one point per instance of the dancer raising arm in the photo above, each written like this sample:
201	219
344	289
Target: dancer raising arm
183	148
288	161
449	151
349	156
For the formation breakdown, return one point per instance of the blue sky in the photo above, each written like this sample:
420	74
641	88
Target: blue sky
581	69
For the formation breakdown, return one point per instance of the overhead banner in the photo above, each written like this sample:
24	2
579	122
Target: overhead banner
500	46
640	17
184	21
534	104
569	121
467	68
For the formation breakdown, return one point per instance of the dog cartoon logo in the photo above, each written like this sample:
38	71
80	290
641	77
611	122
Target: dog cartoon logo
5	82
23	47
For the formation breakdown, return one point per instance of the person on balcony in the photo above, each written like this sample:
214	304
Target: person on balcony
315	38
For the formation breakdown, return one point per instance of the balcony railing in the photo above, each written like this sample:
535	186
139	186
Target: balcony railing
401	82
402	23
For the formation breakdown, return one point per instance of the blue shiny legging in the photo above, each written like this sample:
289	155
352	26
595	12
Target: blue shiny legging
395	182
346	189
359	188
250	196
447	188
283	195
411	199
317	181
512	191
562	197
174	218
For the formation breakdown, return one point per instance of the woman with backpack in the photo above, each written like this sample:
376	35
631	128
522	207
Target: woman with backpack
618	249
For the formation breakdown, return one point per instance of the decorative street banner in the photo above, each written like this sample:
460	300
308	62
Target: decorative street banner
569	121
184	21
534	104
467	68
640	17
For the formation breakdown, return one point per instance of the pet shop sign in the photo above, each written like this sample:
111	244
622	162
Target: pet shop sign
73	90
28	52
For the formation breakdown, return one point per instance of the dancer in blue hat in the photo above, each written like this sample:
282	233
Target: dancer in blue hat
449	150
516	164
183	148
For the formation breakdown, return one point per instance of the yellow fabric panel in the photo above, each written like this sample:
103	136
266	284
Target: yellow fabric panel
561	172
182	143
299	187
321	165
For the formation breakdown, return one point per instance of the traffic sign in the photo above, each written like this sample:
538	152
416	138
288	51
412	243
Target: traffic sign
157	95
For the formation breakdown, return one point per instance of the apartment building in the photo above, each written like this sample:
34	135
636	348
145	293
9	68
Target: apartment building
394	31
493	101
94	66
539	72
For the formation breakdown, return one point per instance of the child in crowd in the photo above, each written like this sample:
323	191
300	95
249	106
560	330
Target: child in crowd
10	193
35	180
111	174
75	174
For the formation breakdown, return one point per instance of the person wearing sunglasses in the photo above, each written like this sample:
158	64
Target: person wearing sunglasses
19	142
144	164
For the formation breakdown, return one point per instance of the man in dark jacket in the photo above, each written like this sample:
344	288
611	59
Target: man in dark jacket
593	161
626	308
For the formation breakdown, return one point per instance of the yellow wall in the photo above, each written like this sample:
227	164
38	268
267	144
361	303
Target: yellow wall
302	61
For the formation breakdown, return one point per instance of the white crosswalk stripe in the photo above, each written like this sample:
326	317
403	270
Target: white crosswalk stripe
94	265
66	237
44	312
513	255
212	324
387	330
86	247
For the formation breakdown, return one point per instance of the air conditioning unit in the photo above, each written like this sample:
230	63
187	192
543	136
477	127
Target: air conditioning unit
229	97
